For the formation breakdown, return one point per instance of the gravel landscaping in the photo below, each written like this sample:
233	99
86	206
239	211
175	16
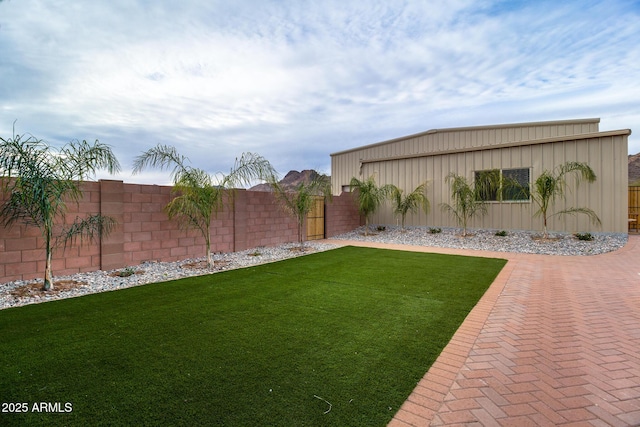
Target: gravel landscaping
19	293
514	241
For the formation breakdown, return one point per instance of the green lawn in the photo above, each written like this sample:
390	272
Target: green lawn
356	327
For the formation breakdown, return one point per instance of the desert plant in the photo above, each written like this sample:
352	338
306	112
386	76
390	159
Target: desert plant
299	202
551	185
198	196
435	230
501	233
369	197
468	198
584	236
126	272
403	204
39	181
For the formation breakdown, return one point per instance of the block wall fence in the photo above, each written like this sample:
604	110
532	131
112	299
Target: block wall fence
144	233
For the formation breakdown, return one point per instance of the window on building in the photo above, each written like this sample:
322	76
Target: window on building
503	185
488	184
519	190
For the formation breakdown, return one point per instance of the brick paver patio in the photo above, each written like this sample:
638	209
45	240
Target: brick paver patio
554	342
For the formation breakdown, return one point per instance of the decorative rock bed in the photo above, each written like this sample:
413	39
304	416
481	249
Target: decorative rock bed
20	292
514	241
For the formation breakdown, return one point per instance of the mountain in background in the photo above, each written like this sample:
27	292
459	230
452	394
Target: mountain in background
634	169
290	181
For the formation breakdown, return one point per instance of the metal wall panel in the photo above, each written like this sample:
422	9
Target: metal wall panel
607	155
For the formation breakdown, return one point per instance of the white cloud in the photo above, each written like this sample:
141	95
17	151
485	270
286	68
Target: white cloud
297	81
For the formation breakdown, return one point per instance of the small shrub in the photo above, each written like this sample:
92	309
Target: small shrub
584	236
501	233
435	230
255	253
126	272
381	228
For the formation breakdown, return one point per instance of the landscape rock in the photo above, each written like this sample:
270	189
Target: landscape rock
18	293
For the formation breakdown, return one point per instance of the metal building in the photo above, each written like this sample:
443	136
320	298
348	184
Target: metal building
521	151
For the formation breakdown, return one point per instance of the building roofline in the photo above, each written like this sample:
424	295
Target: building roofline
469	128
504	145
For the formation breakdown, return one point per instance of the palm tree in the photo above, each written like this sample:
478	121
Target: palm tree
469	199
40	180
551	185
369	196
199	195
300	201
411	202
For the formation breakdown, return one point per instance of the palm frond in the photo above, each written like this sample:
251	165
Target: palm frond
550	186
82	159
40	180
370	196
299	201
487	185
585	211
198	195
445	207
14	209
190	212
247	168
583	171
467	200
161	157
411	202
88	228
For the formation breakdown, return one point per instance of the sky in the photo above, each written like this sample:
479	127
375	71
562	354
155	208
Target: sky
297	80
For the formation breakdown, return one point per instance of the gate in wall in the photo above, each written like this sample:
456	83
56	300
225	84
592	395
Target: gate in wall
315	220
634	207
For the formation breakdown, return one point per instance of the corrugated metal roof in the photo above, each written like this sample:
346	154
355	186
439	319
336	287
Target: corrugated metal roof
505	145
470	128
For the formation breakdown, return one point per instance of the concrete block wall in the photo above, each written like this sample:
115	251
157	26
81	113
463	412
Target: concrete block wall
22	254
341	215
144	232
148	234
260	221
111	247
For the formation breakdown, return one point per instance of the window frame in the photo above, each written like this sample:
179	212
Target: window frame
498	195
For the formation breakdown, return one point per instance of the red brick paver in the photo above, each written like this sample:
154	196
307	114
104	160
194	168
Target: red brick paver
554	341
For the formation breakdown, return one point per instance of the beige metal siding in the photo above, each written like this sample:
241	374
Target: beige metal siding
437	141
605	152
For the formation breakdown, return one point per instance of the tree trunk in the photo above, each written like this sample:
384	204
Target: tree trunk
300	226
208	244
48	275
366	225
